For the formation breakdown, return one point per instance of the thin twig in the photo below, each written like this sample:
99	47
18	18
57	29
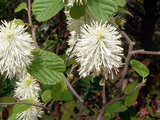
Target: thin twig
131	44
72	90
29	13
104	94
76	96
33	28
6	104
126	37
145	52
73	67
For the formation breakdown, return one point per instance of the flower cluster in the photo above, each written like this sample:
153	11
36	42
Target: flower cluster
17	46
15	57
28	88
97	49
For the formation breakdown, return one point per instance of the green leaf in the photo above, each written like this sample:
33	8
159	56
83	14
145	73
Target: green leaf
131	99
123	10
46	9
46	96
77	11
117	107
65	113
47	67
68	96
102	9
140	68
58	90
13	117
7	99
19	108
18	22
20	7
121	3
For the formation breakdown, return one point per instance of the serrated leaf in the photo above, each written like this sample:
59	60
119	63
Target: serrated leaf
46	9
123	10
77	11
58	90
117	107
102	9
131	99
140	68
20	7
65	113
46	96
121	3
68	96
47	67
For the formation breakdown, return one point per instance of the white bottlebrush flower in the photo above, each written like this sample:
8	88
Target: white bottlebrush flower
26	88
71	2
15	49
98	50
31	112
